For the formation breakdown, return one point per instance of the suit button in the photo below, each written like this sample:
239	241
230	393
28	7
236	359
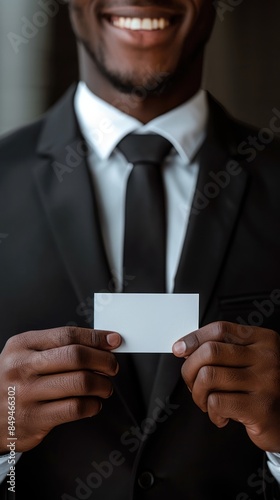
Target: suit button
146	480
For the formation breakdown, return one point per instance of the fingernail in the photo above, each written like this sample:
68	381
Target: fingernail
179	348
113	339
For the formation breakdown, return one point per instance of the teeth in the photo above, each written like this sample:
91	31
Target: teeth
155	24
137	24
147	24
127	23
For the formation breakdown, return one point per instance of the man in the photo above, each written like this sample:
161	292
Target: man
213	431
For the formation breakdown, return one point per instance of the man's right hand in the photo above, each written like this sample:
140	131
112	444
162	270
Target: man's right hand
59	376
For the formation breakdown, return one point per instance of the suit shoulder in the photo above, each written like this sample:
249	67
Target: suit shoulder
20	142
225	121
246	141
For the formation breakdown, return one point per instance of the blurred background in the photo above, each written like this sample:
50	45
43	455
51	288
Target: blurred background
38	58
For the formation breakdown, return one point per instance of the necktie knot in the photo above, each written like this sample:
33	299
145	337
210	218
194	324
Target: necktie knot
147	148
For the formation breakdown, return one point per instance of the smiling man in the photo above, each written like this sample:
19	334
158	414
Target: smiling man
123	45
138	181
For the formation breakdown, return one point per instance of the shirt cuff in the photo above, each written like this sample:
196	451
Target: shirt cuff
5	465
273	464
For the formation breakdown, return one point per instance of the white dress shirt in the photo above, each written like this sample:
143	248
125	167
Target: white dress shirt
103	126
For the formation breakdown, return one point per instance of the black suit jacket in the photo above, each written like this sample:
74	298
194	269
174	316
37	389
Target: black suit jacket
53	259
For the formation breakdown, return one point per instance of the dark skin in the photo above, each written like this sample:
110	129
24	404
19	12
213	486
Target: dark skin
62	375
233	372
142	59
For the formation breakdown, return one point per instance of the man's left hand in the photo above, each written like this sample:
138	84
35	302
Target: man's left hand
233	372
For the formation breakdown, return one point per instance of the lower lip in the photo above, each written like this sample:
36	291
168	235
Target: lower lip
143	39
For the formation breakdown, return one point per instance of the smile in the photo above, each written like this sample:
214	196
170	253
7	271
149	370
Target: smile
141	27
139	24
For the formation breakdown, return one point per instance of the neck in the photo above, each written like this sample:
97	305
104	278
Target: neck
143	106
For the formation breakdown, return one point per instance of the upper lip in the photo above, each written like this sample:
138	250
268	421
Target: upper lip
153	12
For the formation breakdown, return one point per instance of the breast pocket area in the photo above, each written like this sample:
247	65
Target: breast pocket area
261	310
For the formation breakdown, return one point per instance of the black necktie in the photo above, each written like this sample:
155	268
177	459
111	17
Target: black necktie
145	232
145	223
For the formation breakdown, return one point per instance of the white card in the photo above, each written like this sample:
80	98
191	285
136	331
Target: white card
147	322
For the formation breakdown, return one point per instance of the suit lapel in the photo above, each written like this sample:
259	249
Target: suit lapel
66	192
65	189
211	226
214	214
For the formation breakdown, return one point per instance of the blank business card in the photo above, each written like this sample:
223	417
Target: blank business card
148	323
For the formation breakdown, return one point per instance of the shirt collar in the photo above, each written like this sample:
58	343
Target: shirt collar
103	125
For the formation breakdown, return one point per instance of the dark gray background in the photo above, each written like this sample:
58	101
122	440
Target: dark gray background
242	66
